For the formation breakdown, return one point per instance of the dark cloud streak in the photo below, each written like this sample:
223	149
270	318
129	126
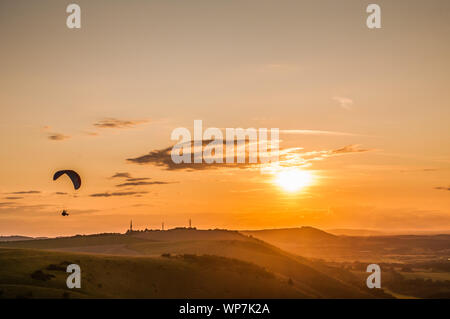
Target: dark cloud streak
58	137
118	124
162	158
121	175
107	194
142	183
25	192
442	188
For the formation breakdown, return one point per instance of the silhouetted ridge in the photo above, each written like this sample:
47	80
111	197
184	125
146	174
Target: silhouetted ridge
305	234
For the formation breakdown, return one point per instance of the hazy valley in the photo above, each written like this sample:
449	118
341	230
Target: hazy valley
189	263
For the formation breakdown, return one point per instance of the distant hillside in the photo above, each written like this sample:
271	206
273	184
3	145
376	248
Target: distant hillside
14	238
308	279
312	242
181	234
355	232
304	234
41	274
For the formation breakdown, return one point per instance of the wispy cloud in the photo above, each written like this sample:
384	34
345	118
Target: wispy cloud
25	192
314	132
137	179
16	206
13	197
118	124
354	148
442	188
162	157
288	157
57	137
296	156
121	175
54	136
107	194
6	204
345	102
317	132
143	183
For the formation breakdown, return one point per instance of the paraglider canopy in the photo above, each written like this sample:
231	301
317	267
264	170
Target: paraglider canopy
76	179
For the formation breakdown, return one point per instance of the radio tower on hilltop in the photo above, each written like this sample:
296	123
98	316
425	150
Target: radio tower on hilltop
190	223
131	225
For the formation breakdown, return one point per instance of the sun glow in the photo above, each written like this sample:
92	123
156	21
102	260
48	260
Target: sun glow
292	180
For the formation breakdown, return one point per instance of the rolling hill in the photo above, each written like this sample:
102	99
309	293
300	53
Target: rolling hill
41	274
308	279
315	243
15	238
303	234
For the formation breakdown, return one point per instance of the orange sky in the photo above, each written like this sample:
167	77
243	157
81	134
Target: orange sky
379	96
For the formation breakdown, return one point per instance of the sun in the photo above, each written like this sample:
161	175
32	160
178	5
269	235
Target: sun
292	180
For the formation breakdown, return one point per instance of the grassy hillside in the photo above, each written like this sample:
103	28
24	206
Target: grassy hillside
355	232
310	242
412	265
75	241
15	238
306	277
182	234
289	235
41	274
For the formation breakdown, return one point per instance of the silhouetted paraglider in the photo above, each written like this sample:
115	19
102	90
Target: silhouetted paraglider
74	177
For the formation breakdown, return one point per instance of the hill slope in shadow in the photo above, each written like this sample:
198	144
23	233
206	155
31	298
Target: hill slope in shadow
304	234
310	279
42	274
315	243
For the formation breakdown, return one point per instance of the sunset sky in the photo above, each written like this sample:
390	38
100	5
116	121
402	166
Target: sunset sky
369	108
